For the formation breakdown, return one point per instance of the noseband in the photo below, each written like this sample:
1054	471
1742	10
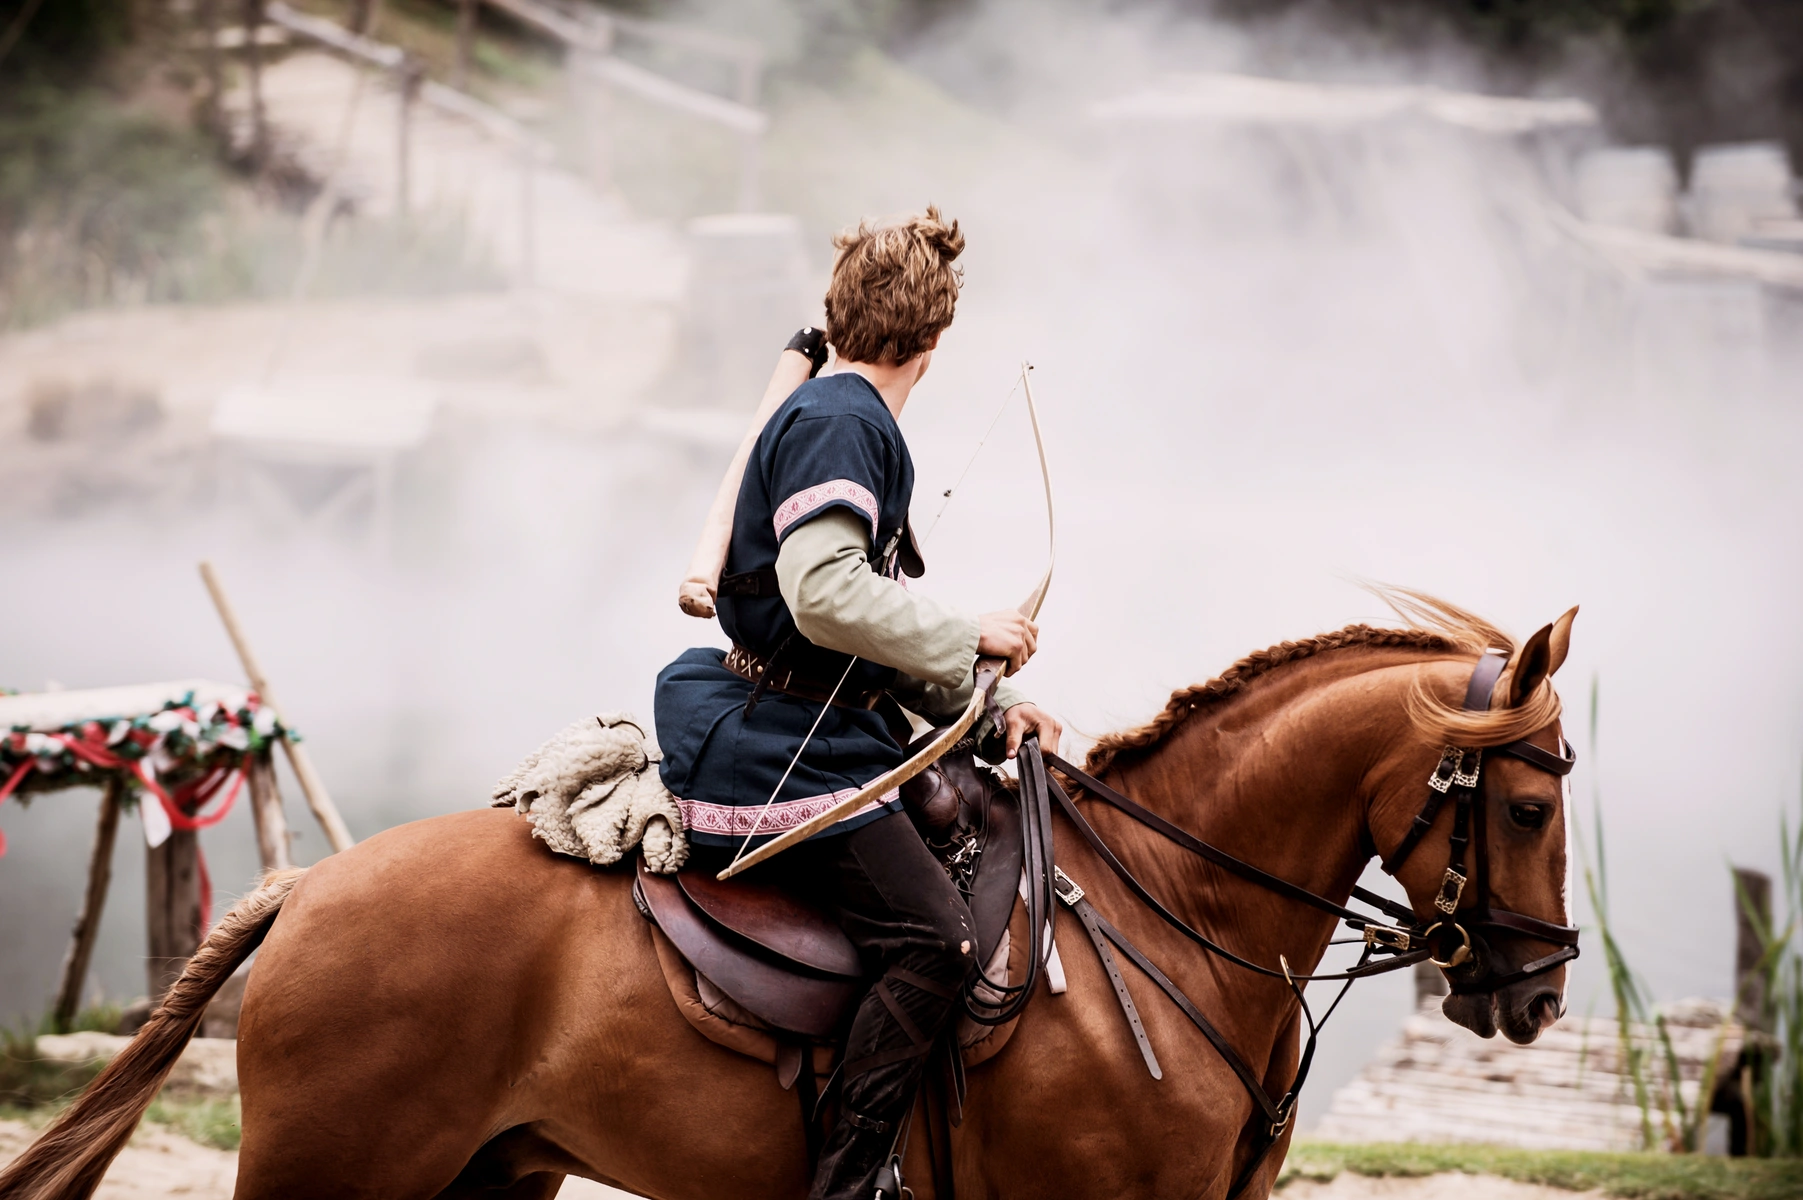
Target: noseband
1399	939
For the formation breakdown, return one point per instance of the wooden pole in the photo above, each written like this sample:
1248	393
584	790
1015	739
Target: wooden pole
1749	948
253	59
266	811
410	76
87	924
311	785
466	39
1430	983
215	106
171	909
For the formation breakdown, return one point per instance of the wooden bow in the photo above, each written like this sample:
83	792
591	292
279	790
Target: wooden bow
988	671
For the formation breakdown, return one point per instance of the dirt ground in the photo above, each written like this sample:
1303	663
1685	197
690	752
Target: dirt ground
1450	1186
159	1164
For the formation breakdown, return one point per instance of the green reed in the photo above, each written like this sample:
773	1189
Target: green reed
1772	1067
1649	1058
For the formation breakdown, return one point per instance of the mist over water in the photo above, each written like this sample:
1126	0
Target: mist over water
1270	364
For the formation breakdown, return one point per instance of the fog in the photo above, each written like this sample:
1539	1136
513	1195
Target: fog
1271	362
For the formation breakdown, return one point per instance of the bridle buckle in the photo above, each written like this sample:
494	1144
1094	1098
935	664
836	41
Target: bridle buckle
1456	768
1452	886
1389	937
1067	889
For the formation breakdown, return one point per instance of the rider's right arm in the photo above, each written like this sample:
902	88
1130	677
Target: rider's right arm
823	571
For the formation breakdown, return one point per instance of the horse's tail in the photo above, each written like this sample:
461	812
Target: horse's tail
68	1161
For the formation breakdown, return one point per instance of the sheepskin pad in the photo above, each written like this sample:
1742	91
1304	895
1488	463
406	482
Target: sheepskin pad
593	792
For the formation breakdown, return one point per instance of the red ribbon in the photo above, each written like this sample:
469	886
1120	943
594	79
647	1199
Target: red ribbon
6	790
182	808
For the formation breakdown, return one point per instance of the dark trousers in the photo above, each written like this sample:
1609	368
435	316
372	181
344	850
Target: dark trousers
915	932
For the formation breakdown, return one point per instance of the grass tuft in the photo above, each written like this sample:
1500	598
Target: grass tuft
1633	1176
28	1081
214	1121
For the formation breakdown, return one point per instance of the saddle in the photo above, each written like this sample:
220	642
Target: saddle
762	971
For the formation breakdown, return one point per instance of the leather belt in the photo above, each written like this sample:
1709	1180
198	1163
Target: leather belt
794	681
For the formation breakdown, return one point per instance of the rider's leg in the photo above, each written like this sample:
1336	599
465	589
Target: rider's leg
912	925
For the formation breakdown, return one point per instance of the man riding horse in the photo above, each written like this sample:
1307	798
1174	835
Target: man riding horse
829	646
446	1011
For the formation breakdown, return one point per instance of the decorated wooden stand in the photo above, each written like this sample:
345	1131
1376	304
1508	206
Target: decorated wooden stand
178	755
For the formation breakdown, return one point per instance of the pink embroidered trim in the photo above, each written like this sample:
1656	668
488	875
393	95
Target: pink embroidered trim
736	820
808	499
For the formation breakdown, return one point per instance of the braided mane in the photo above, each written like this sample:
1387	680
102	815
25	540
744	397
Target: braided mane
1433	625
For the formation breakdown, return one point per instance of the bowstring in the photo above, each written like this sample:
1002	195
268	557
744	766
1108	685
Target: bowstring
777	790
970	462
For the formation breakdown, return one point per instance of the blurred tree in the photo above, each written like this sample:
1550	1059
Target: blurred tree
58	41
1679	72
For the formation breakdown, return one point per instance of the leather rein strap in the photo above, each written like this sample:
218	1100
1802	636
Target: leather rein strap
1405	942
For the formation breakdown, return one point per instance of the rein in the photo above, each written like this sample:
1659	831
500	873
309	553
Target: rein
1398	936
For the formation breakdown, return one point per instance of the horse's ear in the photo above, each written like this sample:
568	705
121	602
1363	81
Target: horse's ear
1559	644
1539	657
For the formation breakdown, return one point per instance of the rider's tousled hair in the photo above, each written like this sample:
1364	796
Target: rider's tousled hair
894	287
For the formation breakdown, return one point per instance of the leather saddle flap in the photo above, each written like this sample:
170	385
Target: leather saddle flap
777	993
776	920
997	885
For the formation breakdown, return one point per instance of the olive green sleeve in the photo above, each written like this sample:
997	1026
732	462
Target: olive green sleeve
823	571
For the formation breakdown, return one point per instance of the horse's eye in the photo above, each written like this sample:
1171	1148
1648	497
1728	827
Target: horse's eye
1527	816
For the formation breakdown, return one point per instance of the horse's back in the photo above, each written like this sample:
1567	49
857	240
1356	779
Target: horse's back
433	914
450	980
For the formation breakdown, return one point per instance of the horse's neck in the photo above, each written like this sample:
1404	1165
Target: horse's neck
1277	777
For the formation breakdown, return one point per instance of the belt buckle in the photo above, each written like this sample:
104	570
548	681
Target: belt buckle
1066	887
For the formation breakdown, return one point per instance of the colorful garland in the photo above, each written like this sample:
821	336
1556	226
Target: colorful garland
184	755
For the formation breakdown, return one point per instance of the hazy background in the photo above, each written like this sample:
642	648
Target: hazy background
1258	388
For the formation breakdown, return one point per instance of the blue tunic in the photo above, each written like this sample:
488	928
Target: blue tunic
832	444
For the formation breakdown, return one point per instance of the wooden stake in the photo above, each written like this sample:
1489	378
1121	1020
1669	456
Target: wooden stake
253	60
171	909
466	39
87	925
266	811
311	785
1749	947
215	102
409	79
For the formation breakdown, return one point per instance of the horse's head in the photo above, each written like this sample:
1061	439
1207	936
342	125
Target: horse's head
1489	873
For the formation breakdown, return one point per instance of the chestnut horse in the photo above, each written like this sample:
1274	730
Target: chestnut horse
447	1009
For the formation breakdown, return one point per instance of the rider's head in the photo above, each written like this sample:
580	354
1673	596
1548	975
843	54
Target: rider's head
893	290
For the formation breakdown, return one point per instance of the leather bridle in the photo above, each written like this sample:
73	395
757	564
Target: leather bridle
1457	778
1464	906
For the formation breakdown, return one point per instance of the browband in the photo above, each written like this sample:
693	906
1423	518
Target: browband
1546	760
1477	699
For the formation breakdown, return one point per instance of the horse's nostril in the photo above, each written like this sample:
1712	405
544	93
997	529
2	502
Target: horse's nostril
1545	1008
